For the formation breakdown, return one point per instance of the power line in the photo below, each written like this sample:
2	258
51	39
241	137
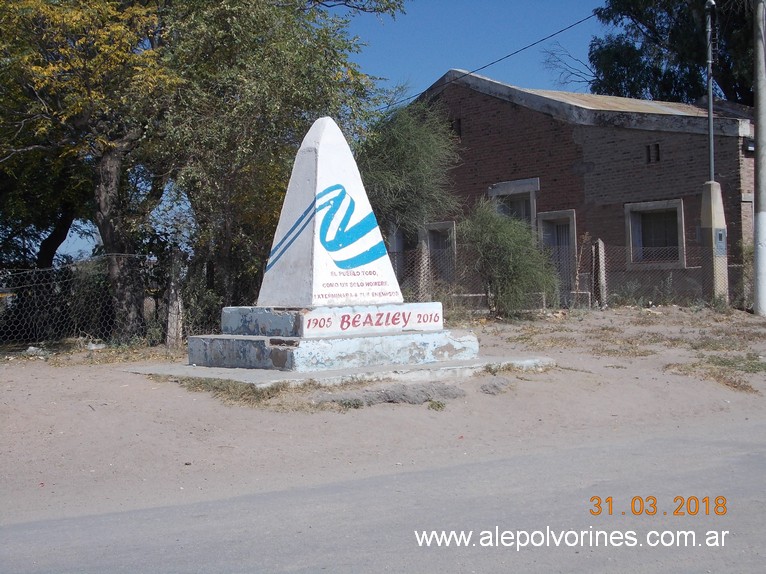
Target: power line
485	66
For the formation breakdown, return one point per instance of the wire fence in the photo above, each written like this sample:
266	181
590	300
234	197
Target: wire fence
593	275
79	301
74	301
608	275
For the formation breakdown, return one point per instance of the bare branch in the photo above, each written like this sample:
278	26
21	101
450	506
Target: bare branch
24	150
570	70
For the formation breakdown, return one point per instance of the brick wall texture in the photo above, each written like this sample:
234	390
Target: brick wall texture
595	170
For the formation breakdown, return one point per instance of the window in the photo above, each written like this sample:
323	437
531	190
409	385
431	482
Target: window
457	127
518	206
516	198
653	153
441	249
655	233
659	236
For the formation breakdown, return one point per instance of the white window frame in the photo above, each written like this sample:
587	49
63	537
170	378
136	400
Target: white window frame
519	187
568	215
633	233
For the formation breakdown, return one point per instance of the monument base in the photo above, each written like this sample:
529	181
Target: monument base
331	338
305	355
329	322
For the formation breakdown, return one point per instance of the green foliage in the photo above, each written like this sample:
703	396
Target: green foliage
405	163
103	103
508	260
750	363
75	77
41	196
660	51
253	77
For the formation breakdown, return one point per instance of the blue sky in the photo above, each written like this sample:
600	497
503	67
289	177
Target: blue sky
418	47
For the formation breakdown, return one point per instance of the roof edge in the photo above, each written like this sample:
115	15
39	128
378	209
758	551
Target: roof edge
569	112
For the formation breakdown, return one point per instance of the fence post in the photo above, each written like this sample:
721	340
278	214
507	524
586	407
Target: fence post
174	336
599	273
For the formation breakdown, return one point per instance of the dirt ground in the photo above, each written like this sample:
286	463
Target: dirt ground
82	435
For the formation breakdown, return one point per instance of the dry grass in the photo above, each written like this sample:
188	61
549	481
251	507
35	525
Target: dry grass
311	397
280	396
646	318
624	350
723	342
723	370
552	342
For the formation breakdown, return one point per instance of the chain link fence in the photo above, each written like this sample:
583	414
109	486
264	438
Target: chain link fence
75	301
609	275
593	275
78	300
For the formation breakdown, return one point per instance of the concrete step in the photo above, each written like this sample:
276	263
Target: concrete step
304	355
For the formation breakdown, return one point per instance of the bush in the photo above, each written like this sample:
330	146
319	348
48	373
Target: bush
509	262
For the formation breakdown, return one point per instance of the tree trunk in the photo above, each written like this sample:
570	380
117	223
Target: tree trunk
56	237
174	332
123	267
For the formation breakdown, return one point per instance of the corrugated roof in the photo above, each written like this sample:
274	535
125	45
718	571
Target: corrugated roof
616	104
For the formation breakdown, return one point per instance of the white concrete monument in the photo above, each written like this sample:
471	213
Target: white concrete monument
328	249
329	297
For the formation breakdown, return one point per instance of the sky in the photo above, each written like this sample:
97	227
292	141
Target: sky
418	47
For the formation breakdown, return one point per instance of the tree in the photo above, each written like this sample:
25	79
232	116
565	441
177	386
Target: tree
405	162
211	94
85	81
660	51
253	77
40	199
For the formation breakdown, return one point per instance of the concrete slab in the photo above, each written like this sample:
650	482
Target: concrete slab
433	372
308	355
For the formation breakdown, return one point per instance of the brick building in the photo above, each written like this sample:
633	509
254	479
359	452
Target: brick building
627	172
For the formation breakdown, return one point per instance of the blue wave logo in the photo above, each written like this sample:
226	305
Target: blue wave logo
338	207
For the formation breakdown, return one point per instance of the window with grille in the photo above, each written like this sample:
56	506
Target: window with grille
655	232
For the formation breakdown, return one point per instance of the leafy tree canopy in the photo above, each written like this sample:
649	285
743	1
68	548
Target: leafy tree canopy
74	81
253	77
405	163
116	99
659	50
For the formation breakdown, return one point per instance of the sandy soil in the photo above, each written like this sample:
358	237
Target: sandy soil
82	436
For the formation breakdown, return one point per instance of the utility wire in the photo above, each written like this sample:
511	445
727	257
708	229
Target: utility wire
485	66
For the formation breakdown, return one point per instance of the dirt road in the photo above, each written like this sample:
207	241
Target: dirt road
82	436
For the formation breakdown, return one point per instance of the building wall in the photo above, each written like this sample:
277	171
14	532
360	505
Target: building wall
624	168
594	169
501	141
